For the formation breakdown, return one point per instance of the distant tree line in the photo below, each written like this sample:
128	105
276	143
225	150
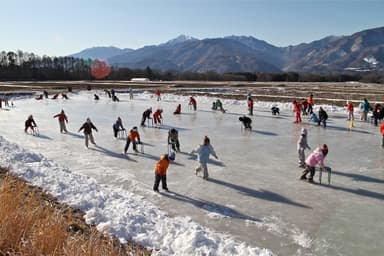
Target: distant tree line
28	66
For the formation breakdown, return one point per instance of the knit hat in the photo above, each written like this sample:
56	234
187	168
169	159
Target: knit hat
303	131
324	149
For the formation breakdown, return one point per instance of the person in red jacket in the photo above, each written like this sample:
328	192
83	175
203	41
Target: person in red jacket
382	133
250	106
193	102
350	110
297	110
132	135
158	94
157	116
161	173
62	119
178	110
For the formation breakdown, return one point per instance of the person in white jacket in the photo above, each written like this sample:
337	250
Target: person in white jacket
302	145
204	151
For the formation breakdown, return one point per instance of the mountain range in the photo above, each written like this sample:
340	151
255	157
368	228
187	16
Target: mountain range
361	51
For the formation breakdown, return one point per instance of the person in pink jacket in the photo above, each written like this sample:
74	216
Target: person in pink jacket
315	158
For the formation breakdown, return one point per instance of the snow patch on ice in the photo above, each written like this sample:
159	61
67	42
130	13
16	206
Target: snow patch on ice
119	212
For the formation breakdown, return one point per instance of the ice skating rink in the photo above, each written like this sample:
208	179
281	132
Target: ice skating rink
253	194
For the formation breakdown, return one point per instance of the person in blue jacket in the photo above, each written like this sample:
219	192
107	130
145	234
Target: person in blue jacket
203	152
117	126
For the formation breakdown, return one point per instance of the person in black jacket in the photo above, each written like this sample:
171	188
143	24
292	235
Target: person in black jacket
323	116
30	123
246	122
87	127
146	114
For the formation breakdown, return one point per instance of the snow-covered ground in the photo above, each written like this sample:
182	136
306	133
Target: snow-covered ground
252	200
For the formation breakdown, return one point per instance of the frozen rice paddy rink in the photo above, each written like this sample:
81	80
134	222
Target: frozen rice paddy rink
253	194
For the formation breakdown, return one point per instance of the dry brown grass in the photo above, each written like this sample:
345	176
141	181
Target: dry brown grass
34	223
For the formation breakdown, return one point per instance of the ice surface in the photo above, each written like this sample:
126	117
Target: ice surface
252	200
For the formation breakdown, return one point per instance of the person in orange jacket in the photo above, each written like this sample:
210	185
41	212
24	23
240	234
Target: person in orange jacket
382	133
132	135
157	116
161	173
297	110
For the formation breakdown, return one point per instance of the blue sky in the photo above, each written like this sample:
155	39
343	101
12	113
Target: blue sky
62	27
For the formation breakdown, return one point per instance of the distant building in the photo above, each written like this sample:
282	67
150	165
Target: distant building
140	79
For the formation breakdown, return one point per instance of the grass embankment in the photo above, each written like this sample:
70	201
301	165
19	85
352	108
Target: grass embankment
34	223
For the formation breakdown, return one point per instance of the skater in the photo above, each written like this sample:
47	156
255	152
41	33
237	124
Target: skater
323	116
157	118
275	110
45	94
146	114
161	173
219	106
115	98
297	110
130	94
96	97
204	151
178	110
364	110
316	157
108	93
246	122
173	139
62	119
250	106
382	133
132	135
193	102
64	96
304	106
30	123
113	94
350	111
40	97
55	96
302	145
117	126
214	107
310	103
158	94
313	117
377	113
88	126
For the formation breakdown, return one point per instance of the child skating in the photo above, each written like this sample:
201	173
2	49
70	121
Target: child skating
315	158
161	173
204	151
302	145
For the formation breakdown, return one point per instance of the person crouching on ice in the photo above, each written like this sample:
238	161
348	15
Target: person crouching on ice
132	135
117	126
246	122
161	173
157	116
315	158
